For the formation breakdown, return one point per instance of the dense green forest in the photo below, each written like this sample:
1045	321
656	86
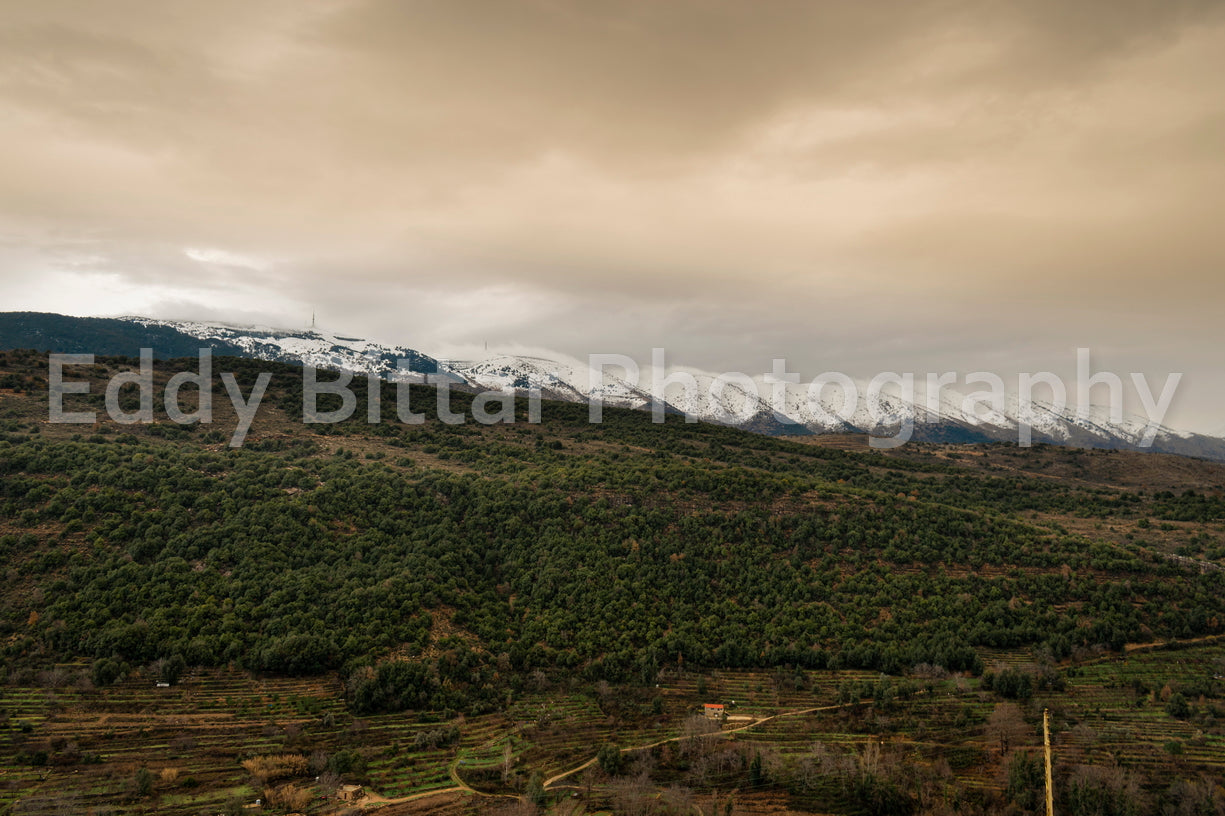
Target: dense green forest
611	550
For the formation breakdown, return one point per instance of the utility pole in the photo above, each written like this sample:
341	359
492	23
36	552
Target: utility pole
1046	745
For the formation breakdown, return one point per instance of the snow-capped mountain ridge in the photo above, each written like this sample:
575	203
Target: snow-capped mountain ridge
754	404
313	347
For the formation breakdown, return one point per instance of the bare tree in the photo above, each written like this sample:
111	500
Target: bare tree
633	795
329	782
508	760
698	734
1120	791
588	779
642	763
1007	725
772	764
678	799
1188	797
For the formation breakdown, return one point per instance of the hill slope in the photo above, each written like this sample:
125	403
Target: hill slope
317	546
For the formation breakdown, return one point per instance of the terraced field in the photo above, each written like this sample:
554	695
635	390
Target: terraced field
192	737
69	748
1115	710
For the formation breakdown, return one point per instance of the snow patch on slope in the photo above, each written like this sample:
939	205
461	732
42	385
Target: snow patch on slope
308	347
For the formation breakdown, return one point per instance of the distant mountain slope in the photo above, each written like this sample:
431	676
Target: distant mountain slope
307	347
45	331
950	419
554	379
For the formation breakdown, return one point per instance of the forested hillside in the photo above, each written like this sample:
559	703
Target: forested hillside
435	566
611	549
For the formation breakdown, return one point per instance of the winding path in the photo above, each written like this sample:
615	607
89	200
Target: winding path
548	783
463	787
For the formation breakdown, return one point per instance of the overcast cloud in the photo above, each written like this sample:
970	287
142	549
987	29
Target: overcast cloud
920	186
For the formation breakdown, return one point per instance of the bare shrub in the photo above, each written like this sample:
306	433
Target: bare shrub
929	671
318	762
54	678
329	782
276	766
288	797
633	796
677	799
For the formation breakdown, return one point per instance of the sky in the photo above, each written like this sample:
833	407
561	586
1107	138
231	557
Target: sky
911	186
